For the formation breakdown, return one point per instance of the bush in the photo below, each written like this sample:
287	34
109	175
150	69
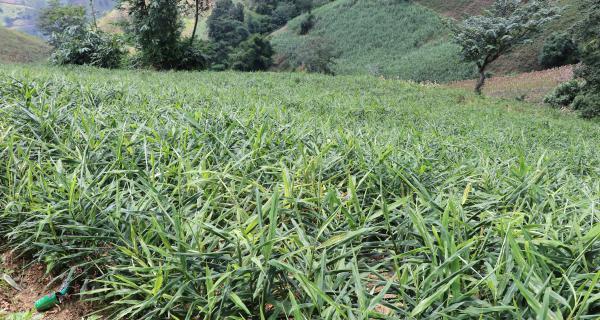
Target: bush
588	105
82	46
307	24
316	55
191	56
253	54
564	94
558	50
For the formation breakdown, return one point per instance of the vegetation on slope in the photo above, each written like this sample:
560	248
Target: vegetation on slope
381	37
22	14
525	57
19	47
458	9
286	195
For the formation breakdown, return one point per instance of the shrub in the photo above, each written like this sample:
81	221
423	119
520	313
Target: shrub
559	49
253	54
317	54
588	105
564	94
307	24
80	45
587	35
191	56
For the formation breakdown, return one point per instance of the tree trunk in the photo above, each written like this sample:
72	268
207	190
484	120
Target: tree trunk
196	15
94	23
480	81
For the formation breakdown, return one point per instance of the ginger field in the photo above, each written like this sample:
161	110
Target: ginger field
289	196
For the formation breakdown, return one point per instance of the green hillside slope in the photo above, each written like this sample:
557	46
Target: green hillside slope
524	58
458	9
381	37
19	47
22	14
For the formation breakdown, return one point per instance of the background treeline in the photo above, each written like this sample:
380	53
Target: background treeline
237	34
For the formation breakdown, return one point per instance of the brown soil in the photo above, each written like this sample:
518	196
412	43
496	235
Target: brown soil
531	86
33	280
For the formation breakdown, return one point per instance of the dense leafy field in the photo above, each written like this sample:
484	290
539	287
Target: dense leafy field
215	196
382	37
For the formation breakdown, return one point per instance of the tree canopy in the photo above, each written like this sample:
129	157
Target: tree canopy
508	23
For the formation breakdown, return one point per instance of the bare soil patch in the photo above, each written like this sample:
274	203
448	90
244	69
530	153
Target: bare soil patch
33	280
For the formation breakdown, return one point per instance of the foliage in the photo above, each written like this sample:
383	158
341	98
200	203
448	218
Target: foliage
402	39
192	55
226	28
304	196
156	28
56	17
564	94
483	39
307	23
273	14
254	54
588	104
260	24
29	315
314	55
588	33
80	45
559	49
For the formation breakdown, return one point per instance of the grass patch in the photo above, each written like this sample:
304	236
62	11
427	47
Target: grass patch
228	196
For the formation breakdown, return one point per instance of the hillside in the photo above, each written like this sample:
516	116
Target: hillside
240	195
395	39
381	37
525	57
22	14
458	9
19	47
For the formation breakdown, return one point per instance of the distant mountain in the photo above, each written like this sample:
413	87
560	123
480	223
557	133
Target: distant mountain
22	14
20	47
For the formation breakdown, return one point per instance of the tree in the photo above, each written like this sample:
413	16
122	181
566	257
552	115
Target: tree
483	39
200	6
307	24
254	54
316	54
56	18
226	28
559	49
156	27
